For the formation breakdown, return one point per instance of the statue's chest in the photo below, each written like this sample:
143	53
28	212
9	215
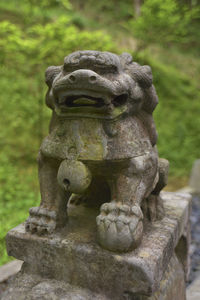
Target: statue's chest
76	139
90	139
129	140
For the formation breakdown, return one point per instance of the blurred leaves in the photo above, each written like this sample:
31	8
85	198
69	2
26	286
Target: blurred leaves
165	22
39	43
16	198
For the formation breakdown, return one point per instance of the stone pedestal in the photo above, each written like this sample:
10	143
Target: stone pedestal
71	265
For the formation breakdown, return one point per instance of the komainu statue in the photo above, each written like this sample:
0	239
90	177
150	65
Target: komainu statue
101	148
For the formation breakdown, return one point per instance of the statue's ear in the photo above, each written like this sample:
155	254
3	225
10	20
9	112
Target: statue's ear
143	75
126	58
50	74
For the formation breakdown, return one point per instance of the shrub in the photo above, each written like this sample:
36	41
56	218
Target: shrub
162	22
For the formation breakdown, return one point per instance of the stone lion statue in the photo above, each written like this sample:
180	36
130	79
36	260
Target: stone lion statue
101	148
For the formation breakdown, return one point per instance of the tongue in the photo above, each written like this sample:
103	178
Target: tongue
85	101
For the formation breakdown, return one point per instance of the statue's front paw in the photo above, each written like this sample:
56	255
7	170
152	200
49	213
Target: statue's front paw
41	221
120	227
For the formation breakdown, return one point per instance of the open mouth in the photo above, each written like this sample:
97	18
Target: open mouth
90	101
83	100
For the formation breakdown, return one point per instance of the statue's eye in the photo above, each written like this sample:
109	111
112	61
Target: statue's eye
105	69
120	100
113	69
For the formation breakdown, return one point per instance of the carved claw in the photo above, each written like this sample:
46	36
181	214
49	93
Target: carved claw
41	221
120	227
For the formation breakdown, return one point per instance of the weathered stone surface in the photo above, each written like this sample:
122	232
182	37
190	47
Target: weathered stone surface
73	256
101	148
172	286
9	269
32	287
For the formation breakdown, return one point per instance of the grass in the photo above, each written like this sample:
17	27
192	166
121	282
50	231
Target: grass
19	193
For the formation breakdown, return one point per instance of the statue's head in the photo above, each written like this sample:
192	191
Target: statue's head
100	85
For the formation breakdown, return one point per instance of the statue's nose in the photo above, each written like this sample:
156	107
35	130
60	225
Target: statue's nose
86	76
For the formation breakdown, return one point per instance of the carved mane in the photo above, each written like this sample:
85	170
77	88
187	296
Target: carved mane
143	76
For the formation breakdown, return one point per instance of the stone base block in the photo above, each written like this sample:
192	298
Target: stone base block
71	265
27	286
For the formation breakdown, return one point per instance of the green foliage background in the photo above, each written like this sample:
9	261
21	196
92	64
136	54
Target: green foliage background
34	36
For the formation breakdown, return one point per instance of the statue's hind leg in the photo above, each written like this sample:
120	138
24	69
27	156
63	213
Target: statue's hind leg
153	205
120	224
52	212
